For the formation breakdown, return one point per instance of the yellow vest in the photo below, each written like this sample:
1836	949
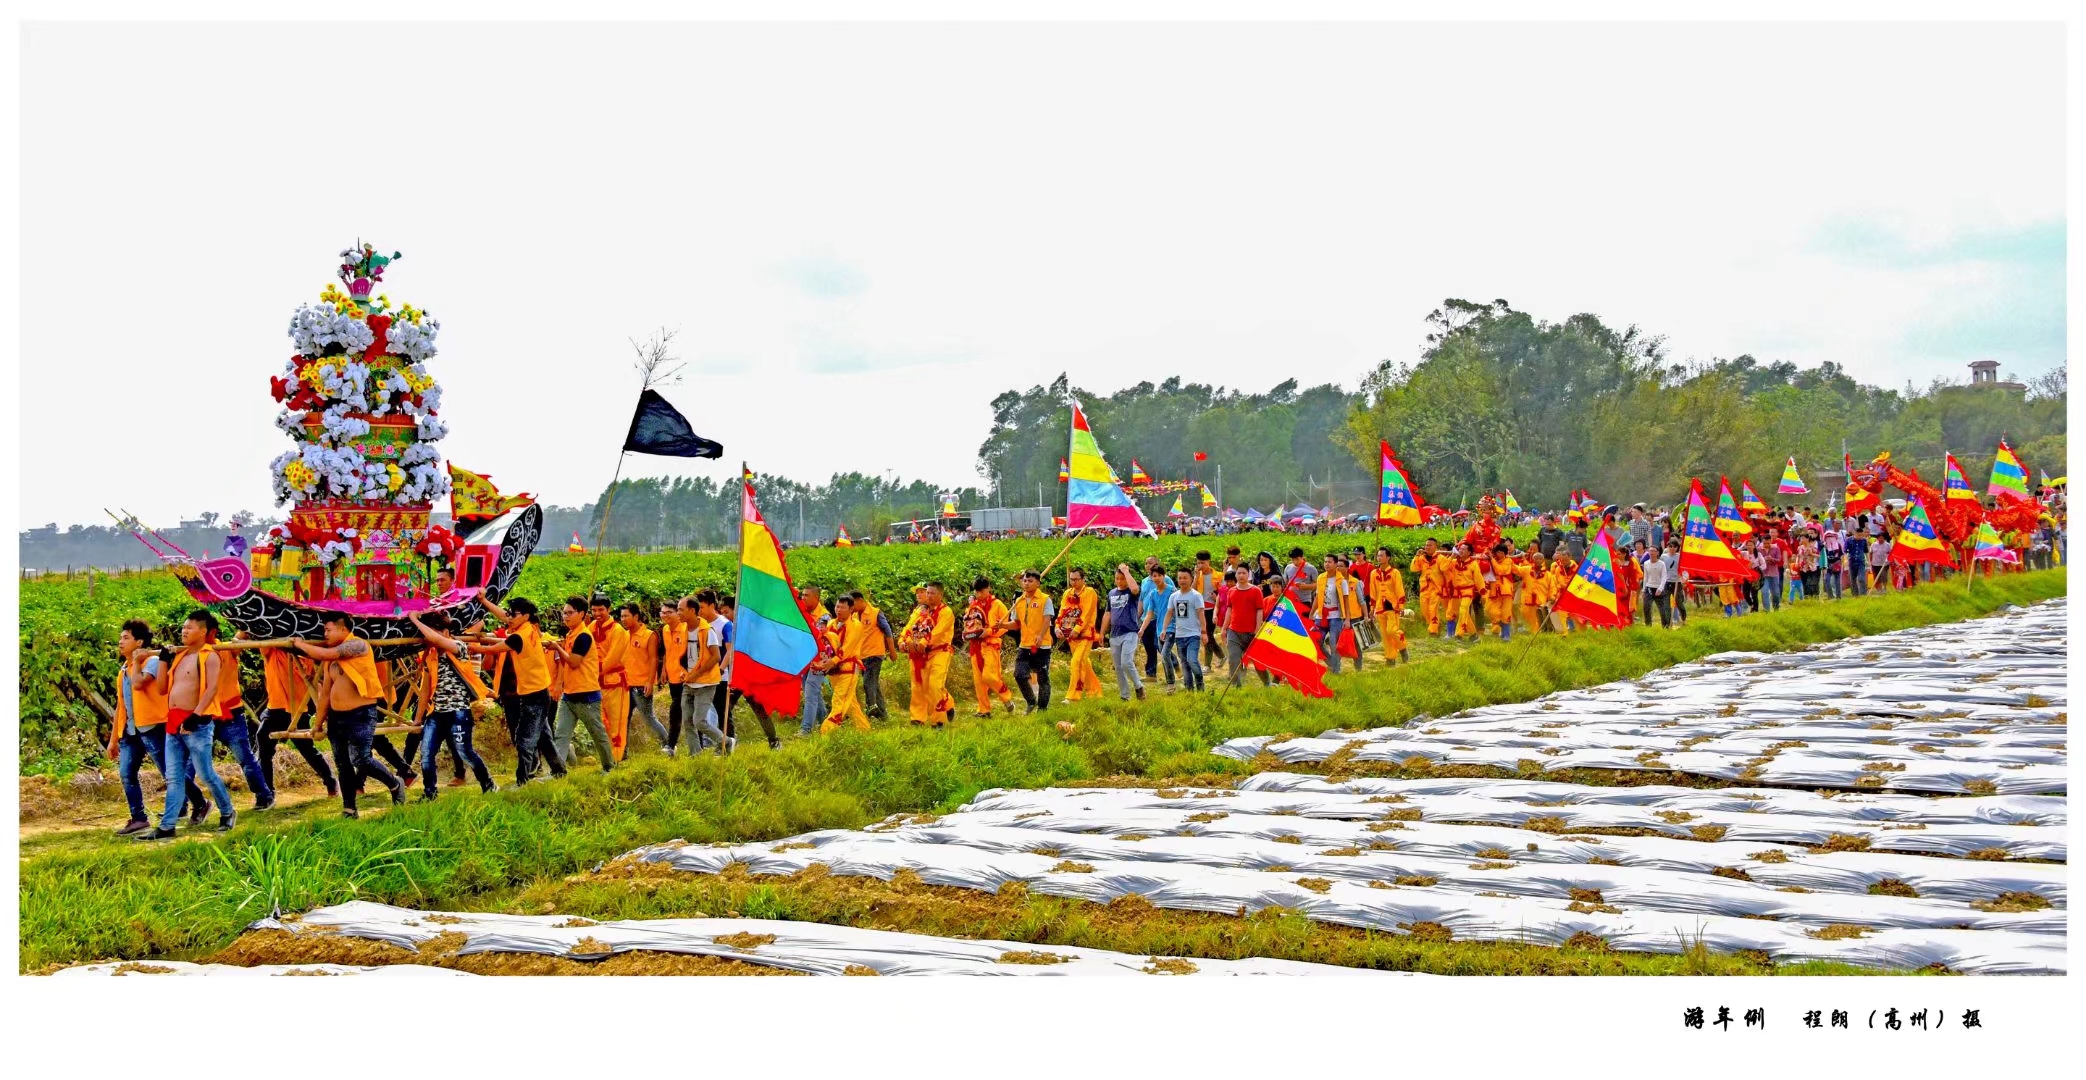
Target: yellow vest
585	678
873	641
429	658
531	665
640	666
362	671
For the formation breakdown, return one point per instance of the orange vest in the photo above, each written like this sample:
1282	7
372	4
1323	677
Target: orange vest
872	638
1087	603
428	659
711	672
285	674
1033	623
362	673
531	665
586	677
676	637
640	665
151	701
209	710
614	643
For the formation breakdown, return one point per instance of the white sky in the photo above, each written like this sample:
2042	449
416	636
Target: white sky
864	233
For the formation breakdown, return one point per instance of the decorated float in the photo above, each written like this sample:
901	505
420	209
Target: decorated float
364	415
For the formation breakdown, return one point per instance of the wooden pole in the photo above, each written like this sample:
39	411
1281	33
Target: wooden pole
1061	551
608	504
289	643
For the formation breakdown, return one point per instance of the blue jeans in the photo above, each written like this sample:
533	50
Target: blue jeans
454	729
189	752
1333	627
234	735
1189	649
131	755
1770	592
814	705
1858	576
1796	587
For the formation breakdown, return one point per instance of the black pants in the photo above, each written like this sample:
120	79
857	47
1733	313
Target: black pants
873	687
673	714
1657	598
528	728
731	699
352	732
264	748
1036	663
1149	638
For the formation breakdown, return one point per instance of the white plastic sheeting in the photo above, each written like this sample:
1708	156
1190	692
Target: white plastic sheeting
1361	860
182	967
1969	707
811	948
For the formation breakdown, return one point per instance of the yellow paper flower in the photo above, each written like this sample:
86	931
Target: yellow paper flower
299	476
398	478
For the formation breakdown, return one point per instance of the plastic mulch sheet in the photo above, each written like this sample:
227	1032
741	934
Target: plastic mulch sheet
1975	707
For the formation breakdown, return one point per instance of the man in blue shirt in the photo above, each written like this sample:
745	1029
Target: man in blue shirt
1151	608
1125	621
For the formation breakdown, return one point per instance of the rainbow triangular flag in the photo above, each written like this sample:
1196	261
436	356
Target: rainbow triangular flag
1792	484
1284	648
1064	471
1728	518
1208	500
1396	503
1512	506
1990	547
843	540
1955	486
1703	554
1092	498
1916	541
1175	510
1749	502
2008	477
771	637
575	546
1137	473
1590	596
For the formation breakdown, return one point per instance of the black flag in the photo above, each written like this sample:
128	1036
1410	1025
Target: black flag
659	428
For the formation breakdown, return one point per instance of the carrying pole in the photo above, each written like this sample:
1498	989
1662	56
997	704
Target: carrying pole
608	504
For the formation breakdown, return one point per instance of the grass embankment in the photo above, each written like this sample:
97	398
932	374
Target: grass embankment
91	897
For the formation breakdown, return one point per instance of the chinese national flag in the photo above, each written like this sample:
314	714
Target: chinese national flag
1200	456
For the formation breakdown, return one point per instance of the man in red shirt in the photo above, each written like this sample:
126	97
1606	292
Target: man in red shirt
1239	610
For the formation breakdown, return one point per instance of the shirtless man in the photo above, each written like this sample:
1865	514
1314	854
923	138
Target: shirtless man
192	694
348	703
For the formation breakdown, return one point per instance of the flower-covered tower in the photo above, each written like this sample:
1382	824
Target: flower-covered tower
359	401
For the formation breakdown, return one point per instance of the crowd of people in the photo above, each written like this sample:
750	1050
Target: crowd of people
604	667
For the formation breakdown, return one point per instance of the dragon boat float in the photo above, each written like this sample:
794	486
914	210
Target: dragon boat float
361	482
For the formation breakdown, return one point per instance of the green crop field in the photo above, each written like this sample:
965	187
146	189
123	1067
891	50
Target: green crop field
85	895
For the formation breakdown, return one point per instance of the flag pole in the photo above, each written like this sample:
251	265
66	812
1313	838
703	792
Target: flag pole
607	504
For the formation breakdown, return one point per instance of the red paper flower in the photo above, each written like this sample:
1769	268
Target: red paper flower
439	542
280	387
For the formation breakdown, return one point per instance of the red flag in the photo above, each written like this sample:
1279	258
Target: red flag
1200	456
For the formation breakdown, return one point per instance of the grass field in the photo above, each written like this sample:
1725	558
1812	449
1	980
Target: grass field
86	896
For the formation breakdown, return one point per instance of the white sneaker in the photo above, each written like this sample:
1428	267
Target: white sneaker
729	746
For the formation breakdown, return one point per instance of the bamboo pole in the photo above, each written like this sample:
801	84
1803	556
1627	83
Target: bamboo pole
289	643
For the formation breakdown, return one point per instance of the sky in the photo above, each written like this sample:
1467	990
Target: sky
862	233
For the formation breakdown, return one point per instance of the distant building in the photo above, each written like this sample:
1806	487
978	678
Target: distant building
1985	373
